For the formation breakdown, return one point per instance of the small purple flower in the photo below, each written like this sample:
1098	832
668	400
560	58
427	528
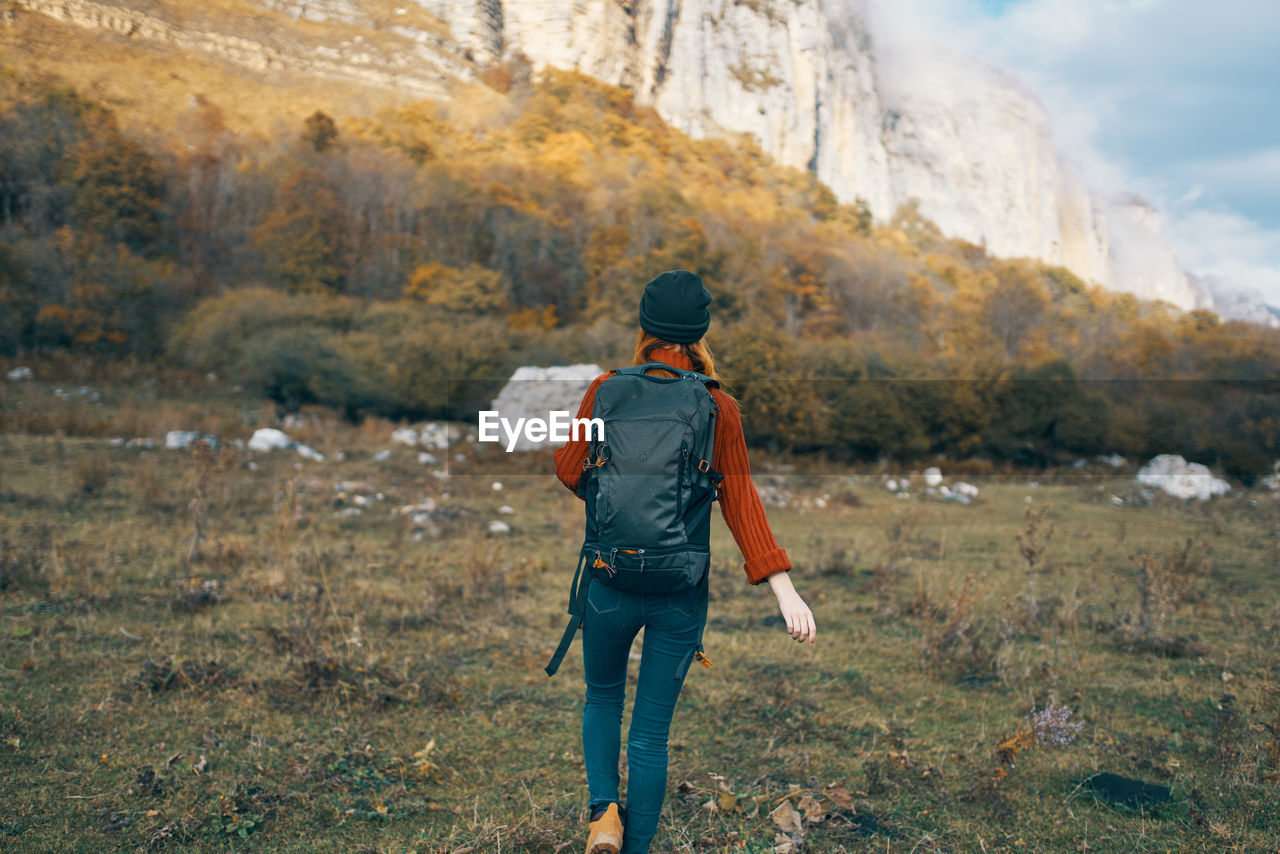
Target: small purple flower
1051	725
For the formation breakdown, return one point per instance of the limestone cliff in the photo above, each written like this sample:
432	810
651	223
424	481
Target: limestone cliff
803	77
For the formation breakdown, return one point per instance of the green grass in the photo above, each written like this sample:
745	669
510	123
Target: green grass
346	686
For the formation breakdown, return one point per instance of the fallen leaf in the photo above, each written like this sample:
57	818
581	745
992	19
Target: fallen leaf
839	795
727	801
812	810
786	819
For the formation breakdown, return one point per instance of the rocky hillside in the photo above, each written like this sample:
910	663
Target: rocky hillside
803	77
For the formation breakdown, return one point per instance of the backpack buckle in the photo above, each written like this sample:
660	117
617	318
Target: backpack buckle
704	466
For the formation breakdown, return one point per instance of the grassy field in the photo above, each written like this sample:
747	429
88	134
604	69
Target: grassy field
228	650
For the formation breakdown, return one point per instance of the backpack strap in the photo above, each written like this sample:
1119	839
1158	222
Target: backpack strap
696	653
577	610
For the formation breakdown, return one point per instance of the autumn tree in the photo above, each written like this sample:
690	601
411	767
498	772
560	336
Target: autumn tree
300	239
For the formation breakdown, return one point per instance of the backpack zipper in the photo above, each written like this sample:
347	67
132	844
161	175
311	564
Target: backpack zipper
684	465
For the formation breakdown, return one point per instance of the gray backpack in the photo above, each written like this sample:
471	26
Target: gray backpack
648	487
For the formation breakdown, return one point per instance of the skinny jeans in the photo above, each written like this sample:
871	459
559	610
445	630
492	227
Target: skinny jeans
672	624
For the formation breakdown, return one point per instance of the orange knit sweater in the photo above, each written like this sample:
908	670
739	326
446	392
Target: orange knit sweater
739	501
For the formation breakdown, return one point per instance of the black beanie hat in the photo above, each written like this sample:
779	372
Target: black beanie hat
674	307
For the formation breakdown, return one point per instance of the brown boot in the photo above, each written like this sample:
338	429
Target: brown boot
605	833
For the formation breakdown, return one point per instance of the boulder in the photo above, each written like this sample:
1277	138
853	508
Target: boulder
533	392
1182	479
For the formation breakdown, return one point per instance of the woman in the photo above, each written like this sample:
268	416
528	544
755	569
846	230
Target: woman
674	316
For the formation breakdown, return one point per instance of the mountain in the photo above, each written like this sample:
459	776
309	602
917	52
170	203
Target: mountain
805	78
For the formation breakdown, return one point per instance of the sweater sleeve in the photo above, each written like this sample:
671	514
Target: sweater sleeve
568	459
739	501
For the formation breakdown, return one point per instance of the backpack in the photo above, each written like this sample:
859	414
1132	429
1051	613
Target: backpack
648	485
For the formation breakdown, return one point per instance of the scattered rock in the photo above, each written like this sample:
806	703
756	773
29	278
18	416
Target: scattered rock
967	489
932	476
381	456
310	453
178	440
20	373
506	509
497	527
497	486
1272	481
431	435
269	439
1182	479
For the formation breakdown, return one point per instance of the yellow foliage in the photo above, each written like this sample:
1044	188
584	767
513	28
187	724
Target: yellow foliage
472	290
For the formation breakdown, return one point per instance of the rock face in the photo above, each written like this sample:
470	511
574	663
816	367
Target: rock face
803	77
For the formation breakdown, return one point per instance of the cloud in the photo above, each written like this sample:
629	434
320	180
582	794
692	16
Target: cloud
1170	99
1232	248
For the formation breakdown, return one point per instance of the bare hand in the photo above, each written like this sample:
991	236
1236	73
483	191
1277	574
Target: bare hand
800	624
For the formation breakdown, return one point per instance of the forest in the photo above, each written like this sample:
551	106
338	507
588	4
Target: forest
402	264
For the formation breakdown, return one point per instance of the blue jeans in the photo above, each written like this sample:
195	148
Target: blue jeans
672	625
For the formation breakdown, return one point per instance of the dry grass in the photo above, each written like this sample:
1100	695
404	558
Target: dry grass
311	677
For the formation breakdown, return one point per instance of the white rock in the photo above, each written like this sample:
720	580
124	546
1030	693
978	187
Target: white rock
381	456
506	509
251	465
892	485
269	439
1272	481
496	486
1182	479
1113	460
426	458
1115	501
533	392
932	476
497	527
118	442
965	488
176	440
404	436
22	372
310	453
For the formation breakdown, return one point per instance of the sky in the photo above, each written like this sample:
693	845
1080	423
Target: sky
1176	100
